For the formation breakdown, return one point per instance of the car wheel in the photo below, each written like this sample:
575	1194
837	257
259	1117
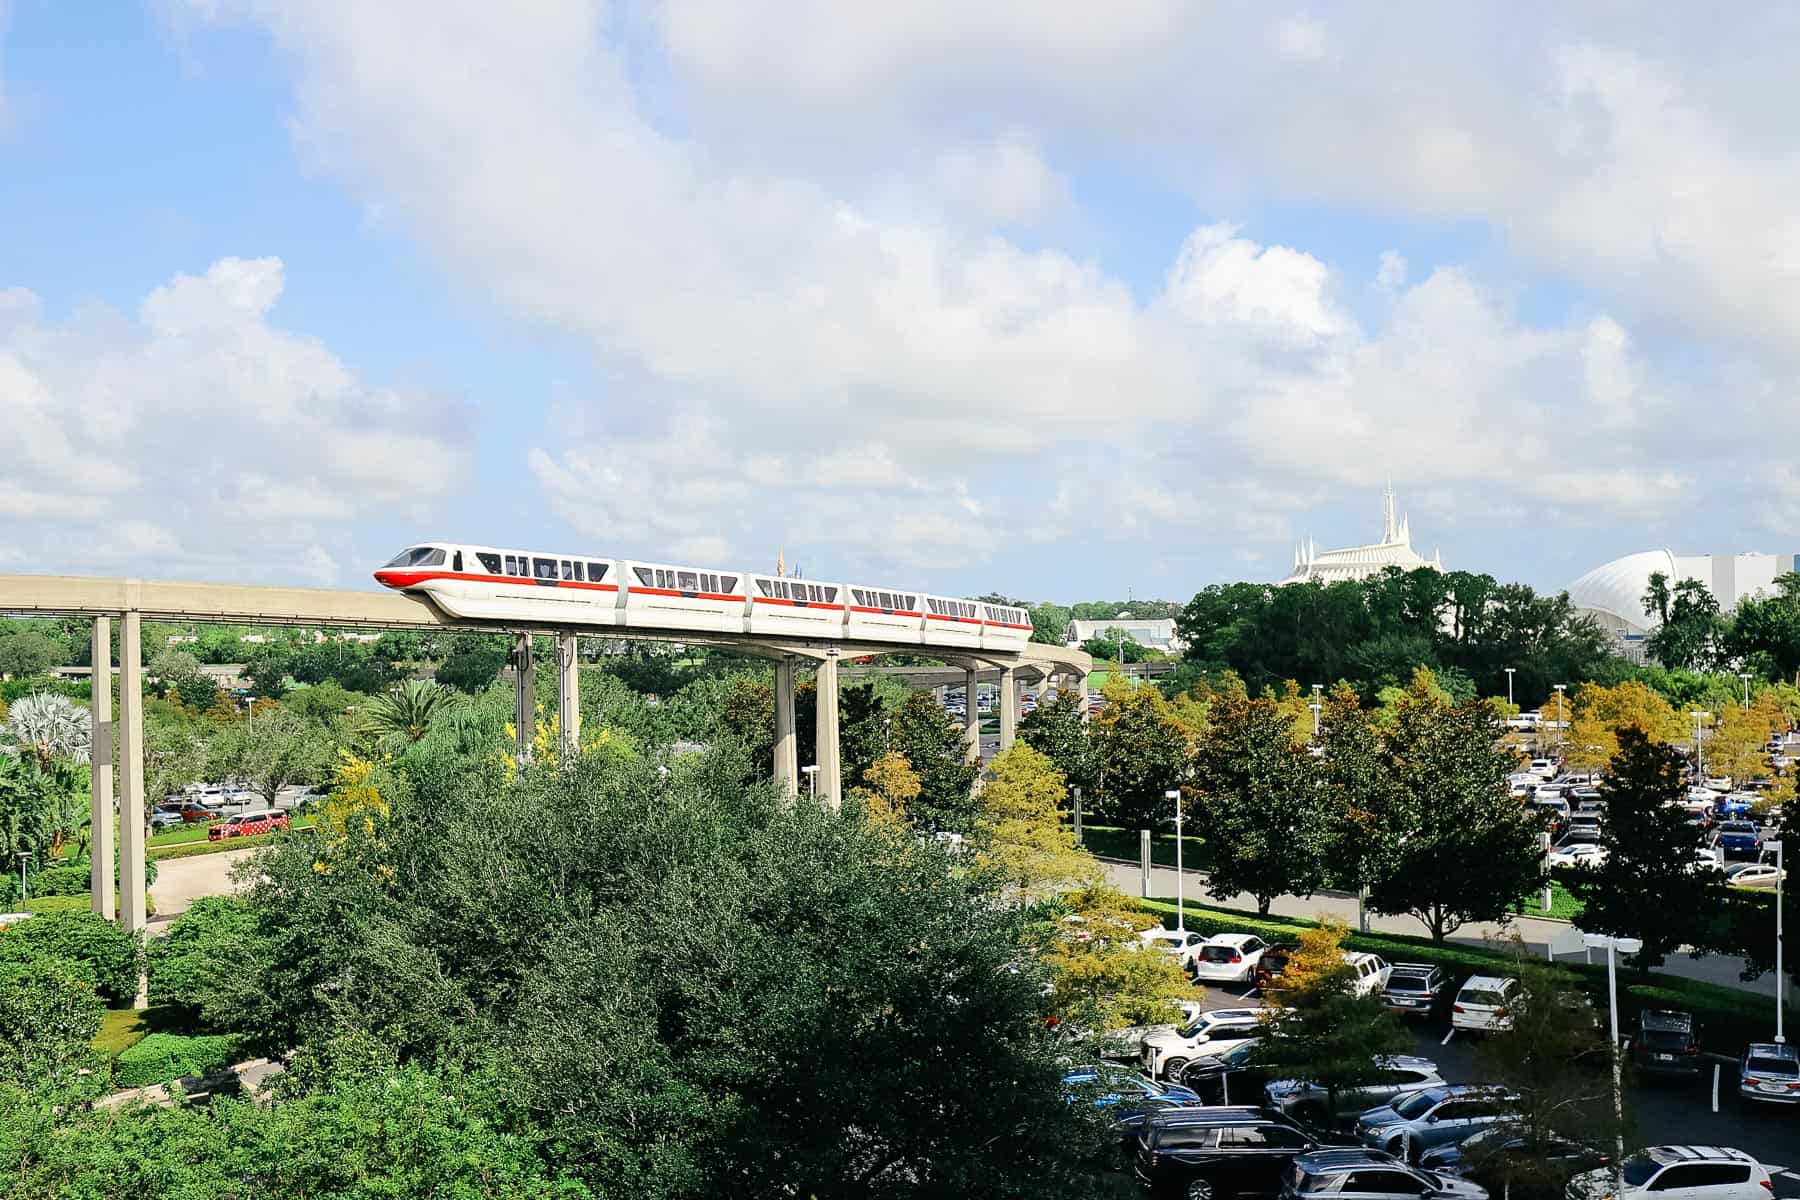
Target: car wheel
1173	1068
1201	1189
1398	1147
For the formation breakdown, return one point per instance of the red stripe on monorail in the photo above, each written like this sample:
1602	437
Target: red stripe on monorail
777	600
884	612
1006	625
406	579
942	617
649	591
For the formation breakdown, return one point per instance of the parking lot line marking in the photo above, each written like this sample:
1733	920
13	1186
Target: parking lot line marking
1715	1087
1448	1036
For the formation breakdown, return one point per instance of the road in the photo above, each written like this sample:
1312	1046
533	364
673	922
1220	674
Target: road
181	881
1661	1112
1537	932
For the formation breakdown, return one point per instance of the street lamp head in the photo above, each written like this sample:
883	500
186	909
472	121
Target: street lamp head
1629	945
1172	794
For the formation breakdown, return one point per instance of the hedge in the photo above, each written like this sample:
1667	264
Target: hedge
113	955
162	1057
1730	1017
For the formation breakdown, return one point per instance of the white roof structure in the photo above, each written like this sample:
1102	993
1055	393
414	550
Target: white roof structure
1158	633
1360	562
1613	593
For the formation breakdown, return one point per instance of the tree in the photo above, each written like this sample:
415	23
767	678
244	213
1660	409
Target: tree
180	678
1058	730
1546	1057
50	727
748	715
1101	978
24	654
1471	851
1049	623
1322	1030
209	950
1690	628
1649	887
408	710
1262	810
49	1015
863	728
474	661
890	786
1142	753
1020	833
1115	645
109	955
271	752
934	745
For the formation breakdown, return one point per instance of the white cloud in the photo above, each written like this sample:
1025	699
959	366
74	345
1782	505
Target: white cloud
777	224
201	437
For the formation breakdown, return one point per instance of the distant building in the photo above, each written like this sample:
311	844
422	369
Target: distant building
1613	593
1360	562
1155	634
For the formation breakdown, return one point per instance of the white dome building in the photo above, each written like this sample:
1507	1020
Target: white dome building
1613	593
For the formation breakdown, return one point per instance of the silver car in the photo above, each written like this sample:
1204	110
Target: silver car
1770	1072
1435	1116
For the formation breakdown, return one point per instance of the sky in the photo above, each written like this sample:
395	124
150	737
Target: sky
1066	301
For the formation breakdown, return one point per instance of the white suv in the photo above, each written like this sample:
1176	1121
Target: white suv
1370	973
1163	1052
1181	945
1482	1003
1228	958
1699	1172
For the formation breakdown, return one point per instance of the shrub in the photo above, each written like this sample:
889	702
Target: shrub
112	954
48	1017
70	880
162	1057
210	949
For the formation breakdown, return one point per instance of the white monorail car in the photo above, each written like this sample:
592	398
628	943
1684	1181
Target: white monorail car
487	583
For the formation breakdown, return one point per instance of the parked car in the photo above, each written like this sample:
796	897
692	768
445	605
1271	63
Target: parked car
1740	839
1271	965
1228	958
1667	1042
1754	875
1577	854
1181	945
1162	1053
1435	1116
1481	1004
1483	1155
1369	1175
1315	1105
1770	1072
247	824
1217	1153
1415	989
165	818
1369	973
1228	1076
1699	1172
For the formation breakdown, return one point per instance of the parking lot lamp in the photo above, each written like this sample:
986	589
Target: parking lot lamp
23	856
1559	710
1745	676
1509	675
1624	945
1315	706
1780	983
1180	891
1699	754
812	779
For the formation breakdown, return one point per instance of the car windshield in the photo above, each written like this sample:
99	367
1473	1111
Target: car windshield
1407	983
1772	1066
1218	953
1639	1169
1667	1022
1737	827
1419	1103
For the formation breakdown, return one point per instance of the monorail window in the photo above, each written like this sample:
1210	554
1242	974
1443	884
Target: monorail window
568	569
456	561
690	582
490	561
728	583
596	572
512	565
543	568
580	572
646	577
419	556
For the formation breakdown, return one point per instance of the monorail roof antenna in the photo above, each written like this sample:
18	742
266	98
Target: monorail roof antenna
780	562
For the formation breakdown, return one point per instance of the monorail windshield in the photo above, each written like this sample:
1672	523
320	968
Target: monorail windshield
418	556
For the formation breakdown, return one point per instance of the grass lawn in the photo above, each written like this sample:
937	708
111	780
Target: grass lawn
188	847
1110	841
120	1029
180	835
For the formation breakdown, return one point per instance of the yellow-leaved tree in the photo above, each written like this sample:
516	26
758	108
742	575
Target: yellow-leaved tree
1102	976
890	784
1738	744
1019	829
1600	712
350	821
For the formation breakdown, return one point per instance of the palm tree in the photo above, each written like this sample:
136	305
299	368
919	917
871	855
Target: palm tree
408	709
51	727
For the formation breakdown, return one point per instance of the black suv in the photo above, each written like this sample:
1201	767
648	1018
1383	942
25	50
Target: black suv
1415	989
1217	1153
1667	1042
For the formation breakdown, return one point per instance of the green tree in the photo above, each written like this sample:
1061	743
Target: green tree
408	709
1470	850
474	661
272	751
29	654
1690	627
1112	644
1142	753
1058	730
50	727
208	952
49	1015
110	955
1261	808
179	672
1649	886
1020	833
933	744
1049	622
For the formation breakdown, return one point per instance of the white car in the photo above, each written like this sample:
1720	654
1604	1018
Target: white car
1162	1053
1696	1172
1371	973
1703	795
1481	1005
1754	875
1543	768
1228	958
1182	945
1579	854
1718	783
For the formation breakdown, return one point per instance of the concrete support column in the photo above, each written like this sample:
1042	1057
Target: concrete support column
1081	690
525	695
100	770
787	743
132	907
971	716
831	782
1009	706
568	666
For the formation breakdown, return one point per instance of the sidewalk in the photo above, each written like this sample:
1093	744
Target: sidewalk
1538	932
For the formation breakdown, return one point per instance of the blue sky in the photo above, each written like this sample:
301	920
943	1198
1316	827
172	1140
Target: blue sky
990	297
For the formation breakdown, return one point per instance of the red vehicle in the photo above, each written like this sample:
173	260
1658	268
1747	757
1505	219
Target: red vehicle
248	824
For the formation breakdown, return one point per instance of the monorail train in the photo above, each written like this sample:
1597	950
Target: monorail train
487	583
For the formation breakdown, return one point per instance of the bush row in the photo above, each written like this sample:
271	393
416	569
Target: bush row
162	1057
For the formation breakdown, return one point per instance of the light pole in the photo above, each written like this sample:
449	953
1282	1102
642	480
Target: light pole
1745	676
1315	706
1559	711
1780	983
1699	754
1509	681
1180	890
1625	945
812	779
23	855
